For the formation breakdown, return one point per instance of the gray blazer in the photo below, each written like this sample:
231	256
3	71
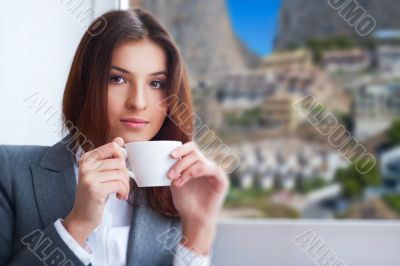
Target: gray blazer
37	186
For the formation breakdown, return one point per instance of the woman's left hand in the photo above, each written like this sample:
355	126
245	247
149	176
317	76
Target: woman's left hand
198	187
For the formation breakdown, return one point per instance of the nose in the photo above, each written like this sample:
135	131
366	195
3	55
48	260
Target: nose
137	98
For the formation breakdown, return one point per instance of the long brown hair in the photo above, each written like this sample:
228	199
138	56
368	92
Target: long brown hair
85	97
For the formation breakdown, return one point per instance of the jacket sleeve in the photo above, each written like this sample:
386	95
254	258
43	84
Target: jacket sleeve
42	247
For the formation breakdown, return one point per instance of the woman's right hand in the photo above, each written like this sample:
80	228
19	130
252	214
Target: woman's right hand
102	171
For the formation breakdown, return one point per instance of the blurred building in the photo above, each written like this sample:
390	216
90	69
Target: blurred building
281	162
354	60
388	51
286	60
388	58
204	94
375	107
283	80
277	111
390	165
245	89
294	72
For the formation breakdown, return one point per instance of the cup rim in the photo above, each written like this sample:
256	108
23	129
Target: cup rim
153	141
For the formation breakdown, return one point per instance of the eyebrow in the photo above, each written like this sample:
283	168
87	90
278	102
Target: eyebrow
127	72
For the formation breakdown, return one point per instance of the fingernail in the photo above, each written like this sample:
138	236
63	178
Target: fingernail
171	174
174	153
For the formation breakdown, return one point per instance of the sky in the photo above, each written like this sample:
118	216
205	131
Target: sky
255	23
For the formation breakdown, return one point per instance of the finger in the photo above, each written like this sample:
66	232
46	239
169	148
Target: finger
114	187
112	164
184	149
182	165
119	141
215	173
187	174
204	169
112	175
109	150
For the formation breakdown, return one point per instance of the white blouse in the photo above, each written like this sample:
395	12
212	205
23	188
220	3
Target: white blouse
108	242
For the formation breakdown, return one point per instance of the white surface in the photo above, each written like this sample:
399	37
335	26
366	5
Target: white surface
270	242
38	40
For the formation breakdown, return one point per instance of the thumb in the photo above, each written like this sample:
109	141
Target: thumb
119	141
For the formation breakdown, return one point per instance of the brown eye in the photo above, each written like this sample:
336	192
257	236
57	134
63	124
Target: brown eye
117	79
156	84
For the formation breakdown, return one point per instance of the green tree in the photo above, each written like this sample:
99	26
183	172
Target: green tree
306	186
316	49
369	43
353	182
318	46
345	119
342	42
394	132
393	200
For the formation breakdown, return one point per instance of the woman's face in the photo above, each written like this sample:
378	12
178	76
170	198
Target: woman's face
136	90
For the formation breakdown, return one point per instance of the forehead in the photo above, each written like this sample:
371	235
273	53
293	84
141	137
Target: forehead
140	57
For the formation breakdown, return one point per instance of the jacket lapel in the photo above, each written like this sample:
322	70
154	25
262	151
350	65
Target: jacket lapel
54	183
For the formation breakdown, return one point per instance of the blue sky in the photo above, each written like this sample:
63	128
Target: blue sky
255	23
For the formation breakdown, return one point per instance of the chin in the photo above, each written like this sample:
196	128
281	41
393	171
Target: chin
134	137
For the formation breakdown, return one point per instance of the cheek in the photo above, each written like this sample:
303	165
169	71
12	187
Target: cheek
159	100
160	107
113	103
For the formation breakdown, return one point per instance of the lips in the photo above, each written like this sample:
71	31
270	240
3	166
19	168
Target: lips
134	122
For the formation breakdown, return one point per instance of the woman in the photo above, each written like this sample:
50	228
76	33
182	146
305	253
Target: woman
73	203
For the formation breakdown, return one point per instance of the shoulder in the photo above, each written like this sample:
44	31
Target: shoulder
15	161
21	154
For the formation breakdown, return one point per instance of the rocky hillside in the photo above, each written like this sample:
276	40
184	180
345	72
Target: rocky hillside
204	34
300	20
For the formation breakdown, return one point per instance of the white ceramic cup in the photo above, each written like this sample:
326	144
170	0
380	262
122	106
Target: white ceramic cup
148	162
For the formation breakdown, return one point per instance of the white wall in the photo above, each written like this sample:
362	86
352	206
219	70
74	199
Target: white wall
264	242
37	43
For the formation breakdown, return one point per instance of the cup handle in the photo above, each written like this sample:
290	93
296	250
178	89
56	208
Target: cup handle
130	173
